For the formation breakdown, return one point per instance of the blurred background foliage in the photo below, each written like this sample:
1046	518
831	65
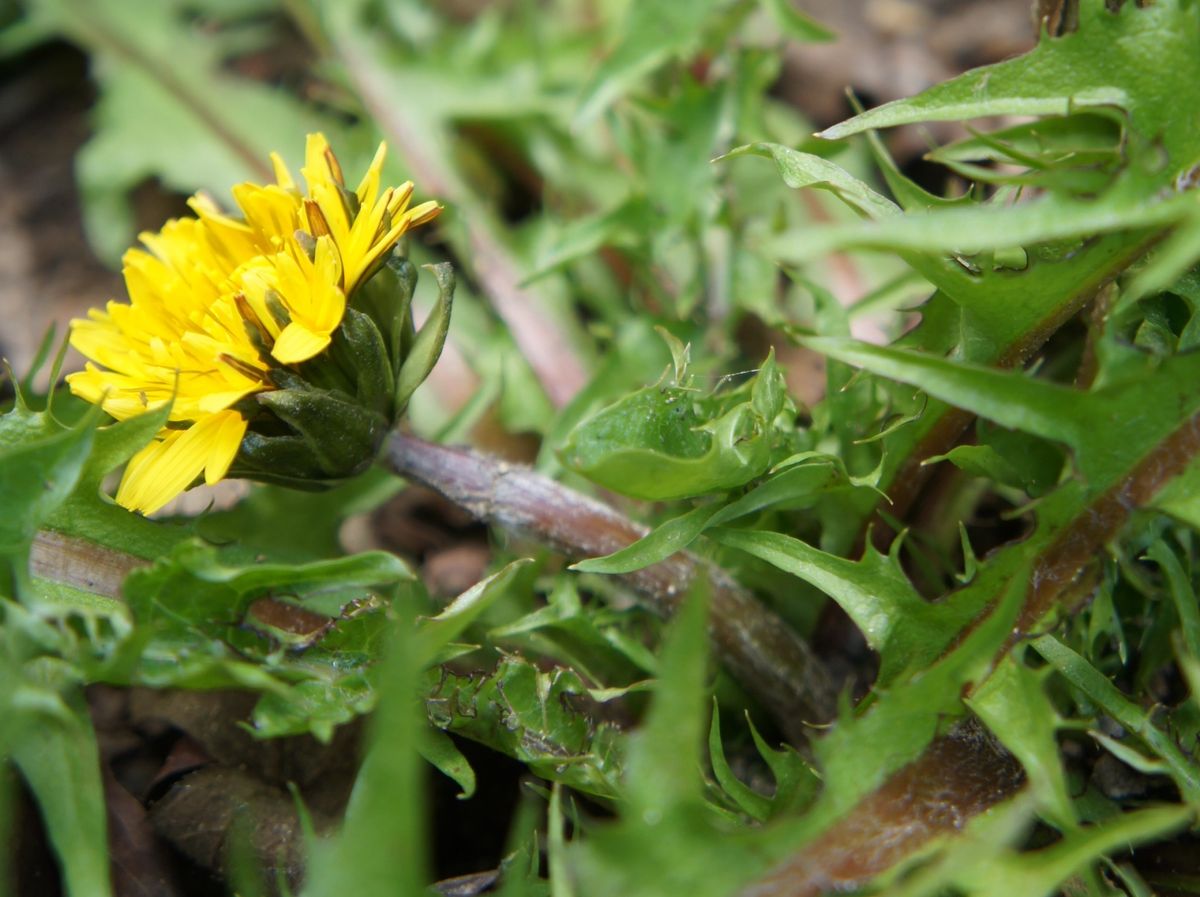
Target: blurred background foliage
572	144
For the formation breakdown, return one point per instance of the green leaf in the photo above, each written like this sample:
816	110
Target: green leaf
530	714
1129	59
360	343
292	525
90	514
1084	138
440	631
427	346
1009	458
193	631
604	644
654	32
663	766
807	170
1012	702
796	782
439	749
1099	689
334	437
1182	593
981	461
666	442
1045	871
1063	76
625	225
1077	155
748	800
987	861
964	231
859	753
897	622
381	848
305	581
1170	260
1108	428
40	463
636	355
797	24
556	846
54	748
169	108
989	313
659	544
667	839
386	298
522	857
1181	496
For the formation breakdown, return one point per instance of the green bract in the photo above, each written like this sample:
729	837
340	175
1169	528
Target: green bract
328	418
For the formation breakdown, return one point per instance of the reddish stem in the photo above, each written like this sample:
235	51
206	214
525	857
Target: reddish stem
958	775
755	644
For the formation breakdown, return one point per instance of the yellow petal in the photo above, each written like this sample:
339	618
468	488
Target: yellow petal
257	280
272	214
215	402
317	164
333	209
328	301
426	211
225	444
310	288
88	384
283	177
384	243
368	187
297	343
135	483
166	468
315	145
357	252
400	197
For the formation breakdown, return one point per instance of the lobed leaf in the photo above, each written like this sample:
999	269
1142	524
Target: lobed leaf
665	441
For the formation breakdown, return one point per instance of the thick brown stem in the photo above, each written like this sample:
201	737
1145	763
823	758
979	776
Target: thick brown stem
81	564
758	647
958	777
960	774
905	487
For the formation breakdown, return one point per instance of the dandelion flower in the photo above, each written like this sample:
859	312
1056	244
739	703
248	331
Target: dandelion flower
225	307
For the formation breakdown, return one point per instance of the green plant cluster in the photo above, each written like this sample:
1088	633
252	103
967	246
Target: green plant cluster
1045	373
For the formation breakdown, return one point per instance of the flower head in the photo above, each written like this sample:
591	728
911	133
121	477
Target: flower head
225	309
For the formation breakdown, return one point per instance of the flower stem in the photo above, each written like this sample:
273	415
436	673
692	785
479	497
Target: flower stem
754	644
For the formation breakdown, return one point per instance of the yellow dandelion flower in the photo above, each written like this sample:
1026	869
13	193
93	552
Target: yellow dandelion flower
222	307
